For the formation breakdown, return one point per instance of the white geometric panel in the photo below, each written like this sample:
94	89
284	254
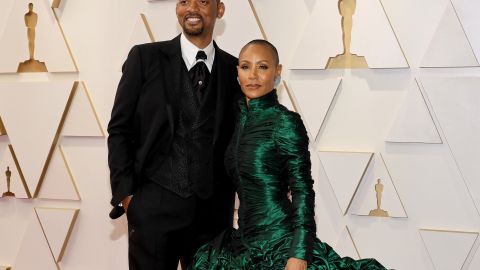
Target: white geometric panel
82	119
467	11
345	245
31	113
456	104
34	252
344	171
17	182
285	28
57	224
162	19
284	97
58	182
372	37
50	45
231	31
449	46
141	34
448	250
365	199
315	99
413	122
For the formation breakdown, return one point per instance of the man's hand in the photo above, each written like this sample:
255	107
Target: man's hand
126	202
296	264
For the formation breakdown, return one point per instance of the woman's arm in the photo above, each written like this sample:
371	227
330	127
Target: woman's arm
292	141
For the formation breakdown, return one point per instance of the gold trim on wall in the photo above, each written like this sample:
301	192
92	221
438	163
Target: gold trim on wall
56	138
3	131
147	26
56	3
19	170
67	236
394	33
259	23
468	255
63	34
72	178
290	96
358	182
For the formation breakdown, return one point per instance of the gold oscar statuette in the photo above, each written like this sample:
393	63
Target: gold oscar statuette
379	212
31	65
8	193
347	59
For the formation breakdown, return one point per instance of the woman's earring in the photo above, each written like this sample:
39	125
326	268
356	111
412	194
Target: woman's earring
278	80
238	80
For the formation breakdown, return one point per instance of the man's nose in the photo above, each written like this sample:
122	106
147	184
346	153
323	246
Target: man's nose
192	5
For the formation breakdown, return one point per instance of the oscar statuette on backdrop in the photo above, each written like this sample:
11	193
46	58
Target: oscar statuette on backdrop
31	65
8	193
379	212
347	59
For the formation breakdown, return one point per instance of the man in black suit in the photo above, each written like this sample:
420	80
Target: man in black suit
171	122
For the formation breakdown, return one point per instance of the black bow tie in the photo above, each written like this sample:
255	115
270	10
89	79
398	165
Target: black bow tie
199	74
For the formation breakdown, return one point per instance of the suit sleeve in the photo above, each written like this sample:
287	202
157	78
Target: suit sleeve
121	138
292	140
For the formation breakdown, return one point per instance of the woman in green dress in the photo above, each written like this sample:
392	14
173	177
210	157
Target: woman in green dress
268	158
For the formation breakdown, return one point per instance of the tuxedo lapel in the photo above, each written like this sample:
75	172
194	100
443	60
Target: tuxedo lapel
221	88
173	79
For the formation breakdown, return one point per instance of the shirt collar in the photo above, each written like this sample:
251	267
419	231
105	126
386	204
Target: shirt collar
189	52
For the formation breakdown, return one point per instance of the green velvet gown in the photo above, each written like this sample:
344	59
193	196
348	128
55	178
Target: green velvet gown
267	158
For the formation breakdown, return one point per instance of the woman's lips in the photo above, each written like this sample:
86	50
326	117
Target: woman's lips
253	86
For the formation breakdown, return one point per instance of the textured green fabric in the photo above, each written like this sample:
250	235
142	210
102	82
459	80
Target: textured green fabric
267	158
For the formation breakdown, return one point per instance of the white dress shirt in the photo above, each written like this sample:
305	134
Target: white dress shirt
189	53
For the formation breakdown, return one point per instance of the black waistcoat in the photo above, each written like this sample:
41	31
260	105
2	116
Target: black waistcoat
188	167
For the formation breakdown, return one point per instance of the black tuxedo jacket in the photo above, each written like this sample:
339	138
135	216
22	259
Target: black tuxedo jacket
146	109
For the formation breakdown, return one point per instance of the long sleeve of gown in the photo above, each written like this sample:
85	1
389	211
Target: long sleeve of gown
292	141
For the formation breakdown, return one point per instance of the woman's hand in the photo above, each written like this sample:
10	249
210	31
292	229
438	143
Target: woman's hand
296	264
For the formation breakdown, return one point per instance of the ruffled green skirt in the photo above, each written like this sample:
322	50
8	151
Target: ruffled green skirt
230	251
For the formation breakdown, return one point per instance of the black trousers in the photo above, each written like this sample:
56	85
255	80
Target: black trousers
164	228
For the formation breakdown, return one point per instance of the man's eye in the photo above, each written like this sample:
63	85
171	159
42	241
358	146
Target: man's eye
204	2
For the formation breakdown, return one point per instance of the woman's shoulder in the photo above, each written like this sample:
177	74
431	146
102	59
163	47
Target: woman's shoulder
284	115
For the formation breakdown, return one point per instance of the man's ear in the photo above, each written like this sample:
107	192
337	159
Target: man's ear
220	9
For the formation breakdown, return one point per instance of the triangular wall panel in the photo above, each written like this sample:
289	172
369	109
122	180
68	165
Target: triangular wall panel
467	12
413	122
285	97
448	250
58	183
345	245
315	99
33	122
344	171
456	105
82	119
449	46
57	224
50	44
17	181
141	34
365	198
372	37
34	252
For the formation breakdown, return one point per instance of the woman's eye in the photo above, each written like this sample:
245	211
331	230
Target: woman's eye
244	67
263	67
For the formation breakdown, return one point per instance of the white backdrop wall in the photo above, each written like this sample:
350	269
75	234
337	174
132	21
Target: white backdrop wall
412	119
